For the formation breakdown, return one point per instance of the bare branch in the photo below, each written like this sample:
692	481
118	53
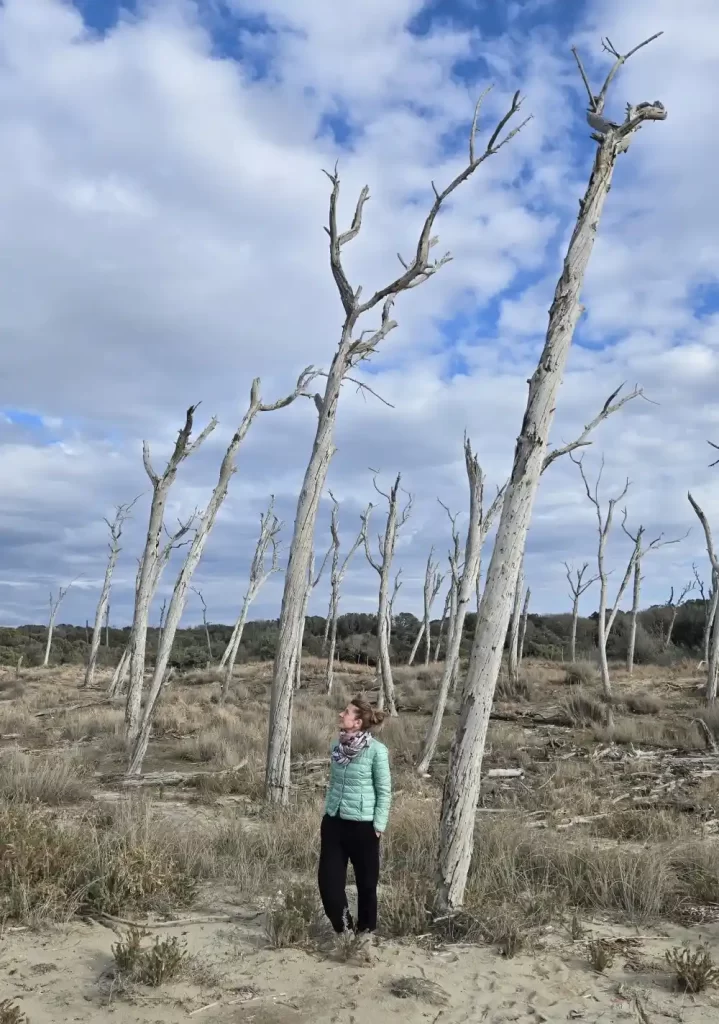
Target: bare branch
303	382
337	240
582	72
620	59
609	407
361	386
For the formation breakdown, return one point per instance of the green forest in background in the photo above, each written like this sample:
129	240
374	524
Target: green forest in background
547	637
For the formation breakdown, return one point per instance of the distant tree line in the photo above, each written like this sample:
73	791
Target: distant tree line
547	637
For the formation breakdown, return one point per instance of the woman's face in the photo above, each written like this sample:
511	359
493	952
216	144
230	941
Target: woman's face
349	719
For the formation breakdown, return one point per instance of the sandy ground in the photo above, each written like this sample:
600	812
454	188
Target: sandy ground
64	975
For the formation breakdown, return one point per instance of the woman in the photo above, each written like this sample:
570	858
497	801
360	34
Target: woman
356	813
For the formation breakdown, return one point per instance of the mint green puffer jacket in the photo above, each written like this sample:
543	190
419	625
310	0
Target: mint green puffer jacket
362	789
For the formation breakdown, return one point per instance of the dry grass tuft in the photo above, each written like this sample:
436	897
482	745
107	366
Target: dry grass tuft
582	708
10	1013
44	779
581	673
163	961
693	972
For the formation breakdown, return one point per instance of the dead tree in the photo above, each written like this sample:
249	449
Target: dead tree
577	588
417	642
675	606
102	611
514	626
355	346
161	484
312	582
203	528
461	790
337	575
107	627
442	623
55	603
712	662
432	582
462	586
523	629
710	602
454	559
270	526
396	518
208	641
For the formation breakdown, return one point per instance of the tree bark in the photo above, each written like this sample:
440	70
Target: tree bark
194	554
395	521
461	789
432	582
351	351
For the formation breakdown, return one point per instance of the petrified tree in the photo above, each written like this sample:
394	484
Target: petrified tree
203	528
442	624
312	581
432	583
354	347
461	790
712	662
523	628
396	518
710	602
270	526
102	611
55	602
514	627
577	587
337	575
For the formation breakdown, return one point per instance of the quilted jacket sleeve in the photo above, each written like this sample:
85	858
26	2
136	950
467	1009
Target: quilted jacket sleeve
382	781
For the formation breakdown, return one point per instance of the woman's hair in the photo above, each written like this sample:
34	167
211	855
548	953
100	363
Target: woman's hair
370	716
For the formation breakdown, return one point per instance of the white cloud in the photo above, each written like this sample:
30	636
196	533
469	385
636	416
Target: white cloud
161	216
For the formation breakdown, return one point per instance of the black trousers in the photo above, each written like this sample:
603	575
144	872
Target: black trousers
343	842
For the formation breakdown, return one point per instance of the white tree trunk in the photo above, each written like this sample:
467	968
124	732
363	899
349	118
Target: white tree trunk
461	789
351	351
337	575
270	526
477	529
442	624
55	603
710	617
573	634
713	659
144	592
395	521
194	554
102	613
415	645
523	628
432	583
631	645
513	652
119	676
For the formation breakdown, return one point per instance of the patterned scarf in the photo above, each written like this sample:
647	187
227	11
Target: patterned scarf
350	745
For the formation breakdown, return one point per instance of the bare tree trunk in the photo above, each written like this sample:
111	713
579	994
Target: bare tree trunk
395	521
417	642
270	526
353	348
337	575
160	489
55	603
513	652
461	789
577	588
675	606
442	624
102	612
107	627
432	582
713	659
523	629
119	676
633	619
312	582
460	595
710	617
194	554
208	641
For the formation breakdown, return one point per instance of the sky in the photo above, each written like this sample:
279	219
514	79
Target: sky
162	206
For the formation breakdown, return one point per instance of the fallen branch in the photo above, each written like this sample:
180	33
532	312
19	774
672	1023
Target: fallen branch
180	922
170	778
63	708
